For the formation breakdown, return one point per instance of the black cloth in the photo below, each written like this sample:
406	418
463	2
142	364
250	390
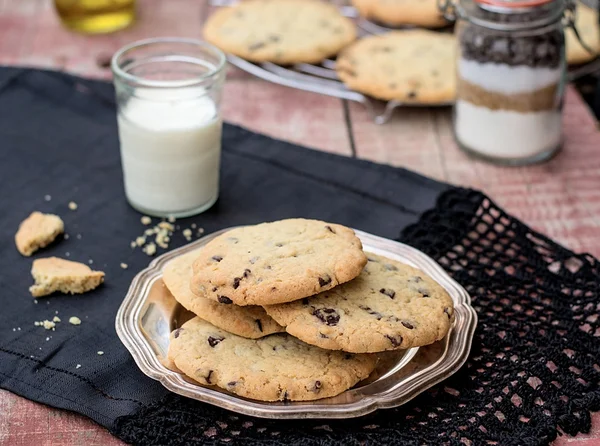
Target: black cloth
534	364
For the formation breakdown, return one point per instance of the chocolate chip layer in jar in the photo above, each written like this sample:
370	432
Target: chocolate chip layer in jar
510	79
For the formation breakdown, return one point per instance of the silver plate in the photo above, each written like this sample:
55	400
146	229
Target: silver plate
149	313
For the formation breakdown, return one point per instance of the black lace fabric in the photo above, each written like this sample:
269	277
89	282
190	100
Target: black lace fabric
534	368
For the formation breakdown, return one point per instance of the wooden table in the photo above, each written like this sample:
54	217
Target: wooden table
560	198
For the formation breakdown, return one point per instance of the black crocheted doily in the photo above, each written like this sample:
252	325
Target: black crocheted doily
534	368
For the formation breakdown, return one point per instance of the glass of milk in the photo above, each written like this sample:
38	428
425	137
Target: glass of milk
168	111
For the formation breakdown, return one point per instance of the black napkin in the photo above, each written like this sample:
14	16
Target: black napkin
58	143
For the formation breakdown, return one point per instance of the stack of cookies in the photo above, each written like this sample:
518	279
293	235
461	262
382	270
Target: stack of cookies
294	310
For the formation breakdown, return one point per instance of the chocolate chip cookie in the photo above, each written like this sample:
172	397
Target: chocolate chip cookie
277	262
389	306
414	66
401	12
248	322
37	231
280	31
587	25
273	368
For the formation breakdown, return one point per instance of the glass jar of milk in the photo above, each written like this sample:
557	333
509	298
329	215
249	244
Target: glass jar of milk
168	112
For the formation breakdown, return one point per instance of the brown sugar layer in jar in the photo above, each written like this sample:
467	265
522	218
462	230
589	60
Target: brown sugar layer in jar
546	98
487	46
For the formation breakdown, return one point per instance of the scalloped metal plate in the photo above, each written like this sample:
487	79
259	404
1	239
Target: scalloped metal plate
149	313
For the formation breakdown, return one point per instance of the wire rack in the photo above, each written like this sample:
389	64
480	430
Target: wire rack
323	79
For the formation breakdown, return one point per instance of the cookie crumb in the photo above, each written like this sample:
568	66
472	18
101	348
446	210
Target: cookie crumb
47	197
140	240
171	219
67	254
187	233
35	301
150	249
66	236
78	236
14	329
200	231
133	245
90	261
193	225
37	324
149	232
74	320
165	225
72	205
18	328
56	319
124	265
78	366
48	325
47	339
100	353
146	220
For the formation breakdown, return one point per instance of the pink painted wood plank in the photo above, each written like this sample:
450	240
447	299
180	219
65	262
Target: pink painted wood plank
303	118
25	423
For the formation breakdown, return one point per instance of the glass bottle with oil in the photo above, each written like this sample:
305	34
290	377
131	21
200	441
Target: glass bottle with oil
96	16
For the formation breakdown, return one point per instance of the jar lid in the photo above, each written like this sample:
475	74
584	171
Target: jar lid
510	4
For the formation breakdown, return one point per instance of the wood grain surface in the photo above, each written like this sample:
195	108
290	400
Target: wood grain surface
560	198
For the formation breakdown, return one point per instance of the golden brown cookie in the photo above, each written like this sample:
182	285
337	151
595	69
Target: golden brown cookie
280	31
423	13
248	322
274	368
277	262
414	66
588	28
390	306
37	231
53	274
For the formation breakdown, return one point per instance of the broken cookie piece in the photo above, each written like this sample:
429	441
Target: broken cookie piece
53	274
37	231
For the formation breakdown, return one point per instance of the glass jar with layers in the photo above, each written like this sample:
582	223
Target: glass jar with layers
511	76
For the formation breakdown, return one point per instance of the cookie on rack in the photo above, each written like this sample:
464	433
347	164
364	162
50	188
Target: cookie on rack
587	25
273	368
390	306
414	66
423	13
277	262
248	322
280	31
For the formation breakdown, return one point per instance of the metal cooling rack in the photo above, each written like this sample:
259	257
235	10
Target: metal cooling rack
322	78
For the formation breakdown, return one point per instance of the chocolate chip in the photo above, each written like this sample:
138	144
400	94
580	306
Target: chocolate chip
330	229
225	300
396	341
253	260
285	395
446	310
259	323
207	377
416	279
247	272
423	292
214	289
256	46
389	293
273	288
232	383
408	325
390	267
326	280
279	245
411	94
316	388
268	267
327	315
347	356
324	336
372	260
177	332
378	315
236	282
305	301
217	258
212	341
